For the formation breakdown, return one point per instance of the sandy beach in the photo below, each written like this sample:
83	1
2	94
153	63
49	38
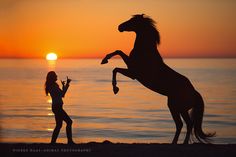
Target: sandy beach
107	148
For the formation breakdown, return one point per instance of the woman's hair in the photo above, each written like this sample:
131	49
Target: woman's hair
50	80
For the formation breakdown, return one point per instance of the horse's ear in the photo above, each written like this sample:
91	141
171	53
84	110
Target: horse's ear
139	16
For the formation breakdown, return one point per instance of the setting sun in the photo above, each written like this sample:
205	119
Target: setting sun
51	56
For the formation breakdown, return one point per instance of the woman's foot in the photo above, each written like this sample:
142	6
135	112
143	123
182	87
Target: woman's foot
53	143
71	142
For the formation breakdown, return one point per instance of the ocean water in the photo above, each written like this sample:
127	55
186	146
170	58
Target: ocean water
135	114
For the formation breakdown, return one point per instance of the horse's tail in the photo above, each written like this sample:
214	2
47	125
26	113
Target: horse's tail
197	117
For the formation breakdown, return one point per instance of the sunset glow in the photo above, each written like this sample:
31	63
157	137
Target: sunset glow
88	28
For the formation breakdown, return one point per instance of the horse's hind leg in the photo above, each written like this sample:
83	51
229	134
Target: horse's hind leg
179	125
189	124
178	122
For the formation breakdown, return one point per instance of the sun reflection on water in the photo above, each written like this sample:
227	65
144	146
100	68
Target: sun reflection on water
49	129
51	65
49	101
49	108
50	114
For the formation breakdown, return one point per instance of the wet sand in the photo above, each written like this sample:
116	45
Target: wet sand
107	148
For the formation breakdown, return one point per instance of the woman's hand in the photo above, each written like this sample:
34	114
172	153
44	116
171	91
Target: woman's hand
68	80
63	82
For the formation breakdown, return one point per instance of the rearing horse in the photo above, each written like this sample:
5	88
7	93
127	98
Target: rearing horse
146	65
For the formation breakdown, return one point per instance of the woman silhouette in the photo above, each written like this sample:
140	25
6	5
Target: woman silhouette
57	94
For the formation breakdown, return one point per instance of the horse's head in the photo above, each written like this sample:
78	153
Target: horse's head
140	23
132	24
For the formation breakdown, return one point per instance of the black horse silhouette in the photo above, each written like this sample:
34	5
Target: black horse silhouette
146	65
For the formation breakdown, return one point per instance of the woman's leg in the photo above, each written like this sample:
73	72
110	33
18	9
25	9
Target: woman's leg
56	131
69	122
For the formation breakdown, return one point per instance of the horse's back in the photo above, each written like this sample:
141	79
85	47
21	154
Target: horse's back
164	80
153	73
175	81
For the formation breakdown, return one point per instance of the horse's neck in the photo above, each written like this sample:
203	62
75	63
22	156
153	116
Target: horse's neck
144	46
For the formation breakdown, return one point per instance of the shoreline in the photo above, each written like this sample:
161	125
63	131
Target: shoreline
108	148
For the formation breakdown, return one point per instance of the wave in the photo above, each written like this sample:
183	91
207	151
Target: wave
101	80
119	133
97	119
22	116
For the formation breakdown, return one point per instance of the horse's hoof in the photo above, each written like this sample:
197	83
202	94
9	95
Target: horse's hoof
115	89
104	61
185	142
174	142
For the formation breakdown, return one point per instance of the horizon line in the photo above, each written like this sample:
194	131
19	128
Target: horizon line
180	57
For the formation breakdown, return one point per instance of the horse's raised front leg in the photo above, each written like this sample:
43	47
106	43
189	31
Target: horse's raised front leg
117	52
125	72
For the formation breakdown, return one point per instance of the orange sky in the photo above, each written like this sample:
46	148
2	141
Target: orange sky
88	28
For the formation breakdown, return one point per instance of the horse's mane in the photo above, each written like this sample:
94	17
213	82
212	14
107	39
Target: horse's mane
147	21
